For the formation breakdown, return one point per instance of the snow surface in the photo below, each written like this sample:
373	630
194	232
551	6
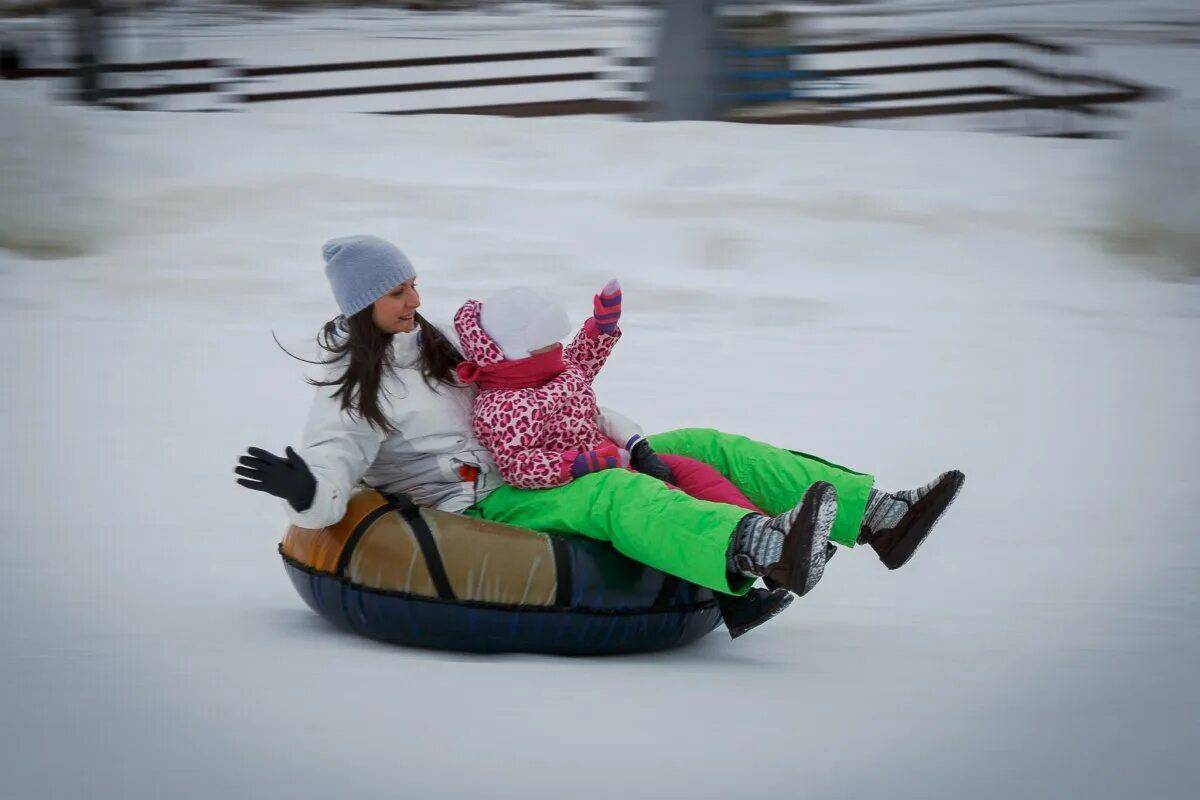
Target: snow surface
900	302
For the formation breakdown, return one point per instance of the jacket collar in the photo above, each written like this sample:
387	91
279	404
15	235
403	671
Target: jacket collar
406	348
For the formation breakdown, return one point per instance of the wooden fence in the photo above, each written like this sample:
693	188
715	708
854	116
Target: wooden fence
237	84
1075	92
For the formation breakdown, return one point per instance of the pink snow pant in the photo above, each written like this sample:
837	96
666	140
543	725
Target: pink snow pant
704	483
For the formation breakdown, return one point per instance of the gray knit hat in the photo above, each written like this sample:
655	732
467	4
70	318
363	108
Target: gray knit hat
362	269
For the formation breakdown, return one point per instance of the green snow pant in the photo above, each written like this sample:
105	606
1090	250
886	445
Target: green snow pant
665	528
772	478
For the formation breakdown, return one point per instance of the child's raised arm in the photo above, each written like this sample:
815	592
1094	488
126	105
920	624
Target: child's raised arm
591	346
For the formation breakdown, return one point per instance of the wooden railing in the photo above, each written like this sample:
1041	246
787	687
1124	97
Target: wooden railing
1076	91
1073	91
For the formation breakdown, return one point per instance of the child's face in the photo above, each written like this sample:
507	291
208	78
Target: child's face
396	311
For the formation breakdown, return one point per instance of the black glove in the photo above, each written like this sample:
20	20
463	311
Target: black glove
643	459
288	478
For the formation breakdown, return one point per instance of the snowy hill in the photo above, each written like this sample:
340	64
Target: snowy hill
900	302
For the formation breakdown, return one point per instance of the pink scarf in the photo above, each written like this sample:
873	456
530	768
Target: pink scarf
524	373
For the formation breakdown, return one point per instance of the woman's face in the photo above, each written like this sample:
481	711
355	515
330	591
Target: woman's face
396	311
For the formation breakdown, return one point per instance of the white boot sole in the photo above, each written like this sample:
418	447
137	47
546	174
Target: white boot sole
826	513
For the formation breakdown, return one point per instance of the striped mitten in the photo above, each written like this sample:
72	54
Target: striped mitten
580	463
606	307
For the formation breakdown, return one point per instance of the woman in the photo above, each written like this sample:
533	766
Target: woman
389	413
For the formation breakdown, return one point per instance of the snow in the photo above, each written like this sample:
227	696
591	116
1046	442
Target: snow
47	158
1158	199
898	301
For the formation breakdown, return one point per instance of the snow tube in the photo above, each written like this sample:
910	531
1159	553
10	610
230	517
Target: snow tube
427	578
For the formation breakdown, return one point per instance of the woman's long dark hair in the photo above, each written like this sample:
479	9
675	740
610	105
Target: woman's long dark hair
368	353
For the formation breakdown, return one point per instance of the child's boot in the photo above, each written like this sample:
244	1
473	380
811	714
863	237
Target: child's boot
830	552
896	523
745	613
789	548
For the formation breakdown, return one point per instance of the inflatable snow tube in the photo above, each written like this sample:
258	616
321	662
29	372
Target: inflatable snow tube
427	578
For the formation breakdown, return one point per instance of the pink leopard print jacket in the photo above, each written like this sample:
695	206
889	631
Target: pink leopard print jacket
529	430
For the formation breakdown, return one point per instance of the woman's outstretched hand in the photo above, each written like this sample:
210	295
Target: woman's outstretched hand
606	307
289	478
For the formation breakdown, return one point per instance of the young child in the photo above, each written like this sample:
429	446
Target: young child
536	411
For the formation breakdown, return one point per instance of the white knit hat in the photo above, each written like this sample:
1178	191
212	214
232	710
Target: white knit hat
520	320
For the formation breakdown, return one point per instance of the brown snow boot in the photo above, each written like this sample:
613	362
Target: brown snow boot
787	549
896	524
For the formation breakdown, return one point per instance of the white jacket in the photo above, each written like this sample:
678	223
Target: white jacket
433	439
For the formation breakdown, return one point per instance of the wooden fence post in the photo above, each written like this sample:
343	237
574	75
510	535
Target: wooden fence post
689	70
